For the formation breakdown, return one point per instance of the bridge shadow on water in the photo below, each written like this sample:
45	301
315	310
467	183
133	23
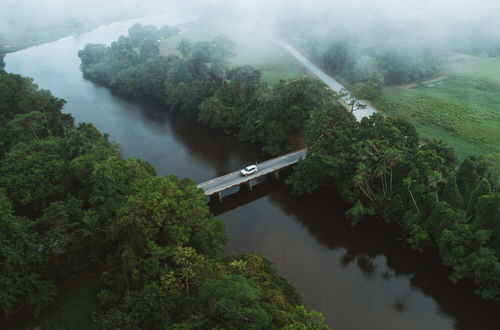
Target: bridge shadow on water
237	197
322	214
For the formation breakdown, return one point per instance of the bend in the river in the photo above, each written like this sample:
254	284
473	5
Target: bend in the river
360	278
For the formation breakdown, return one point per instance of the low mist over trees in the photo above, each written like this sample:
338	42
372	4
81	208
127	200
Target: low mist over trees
387	42
380	165
201	83
368	60
24	23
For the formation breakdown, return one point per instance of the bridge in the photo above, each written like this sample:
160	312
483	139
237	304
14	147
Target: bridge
215	187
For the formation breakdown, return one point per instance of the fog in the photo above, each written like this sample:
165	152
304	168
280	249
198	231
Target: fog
343	35
365	44
441	22
27	22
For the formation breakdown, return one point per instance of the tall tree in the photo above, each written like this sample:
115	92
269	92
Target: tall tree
222	51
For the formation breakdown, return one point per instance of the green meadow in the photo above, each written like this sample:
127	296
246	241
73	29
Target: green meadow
463	110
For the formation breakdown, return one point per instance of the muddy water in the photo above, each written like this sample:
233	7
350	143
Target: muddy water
360	278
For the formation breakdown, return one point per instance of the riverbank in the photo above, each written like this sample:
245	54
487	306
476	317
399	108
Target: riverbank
22	25
359	277
361	159
72	218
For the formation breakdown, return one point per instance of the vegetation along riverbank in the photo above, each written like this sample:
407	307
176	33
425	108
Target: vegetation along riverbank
449	92
69	204
378	165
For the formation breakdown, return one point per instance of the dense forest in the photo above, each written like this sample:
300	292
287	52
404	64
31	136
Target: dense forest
360	61
200	83
380	165
369	52
366	63
381	168
70	203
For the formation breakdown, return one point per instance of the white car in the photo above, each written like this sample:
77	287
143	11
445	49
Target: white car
248	170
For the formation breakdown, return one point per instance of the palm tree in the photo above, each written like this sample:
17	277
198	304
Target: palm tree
408	181
361	180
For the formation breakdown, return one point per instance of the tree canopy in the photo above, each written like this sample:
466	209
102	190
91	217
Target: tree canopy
381	168
380	165
69	202
202	83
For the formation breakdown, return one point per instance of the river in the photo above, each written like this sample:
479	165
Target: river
360	278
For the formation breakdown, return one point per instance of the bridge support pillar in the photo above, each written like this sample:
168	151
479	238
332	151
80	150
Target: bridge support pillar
277	175
248	184
217	196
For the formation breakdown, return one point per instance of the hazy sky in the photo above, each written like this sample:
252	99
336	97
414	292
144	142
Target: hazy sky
432	19
451	11
388	8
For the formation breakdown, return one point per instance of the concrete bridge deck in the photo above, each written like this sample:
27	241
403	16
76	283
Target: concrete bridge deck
217	185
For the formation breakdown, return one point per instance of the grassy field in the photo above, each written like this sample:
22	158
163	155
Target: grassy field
463	109
254	48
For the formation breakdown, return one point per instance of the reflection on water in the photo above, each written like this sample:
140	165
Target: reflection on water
360	277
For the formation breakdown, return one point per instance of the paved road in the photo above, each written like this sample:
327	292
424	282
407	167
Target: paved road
235	178
329	81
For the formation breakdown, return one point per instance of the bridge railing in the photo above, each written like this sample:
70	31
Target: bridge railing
232	179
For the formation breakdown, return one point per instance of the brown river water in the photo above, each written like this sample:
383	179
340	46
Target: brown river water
360	277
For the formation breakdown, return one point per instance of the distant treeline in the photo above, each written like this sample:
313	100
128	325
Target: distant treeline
200	83
375	64
70	203
379	164
367	68
366	63
367	55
